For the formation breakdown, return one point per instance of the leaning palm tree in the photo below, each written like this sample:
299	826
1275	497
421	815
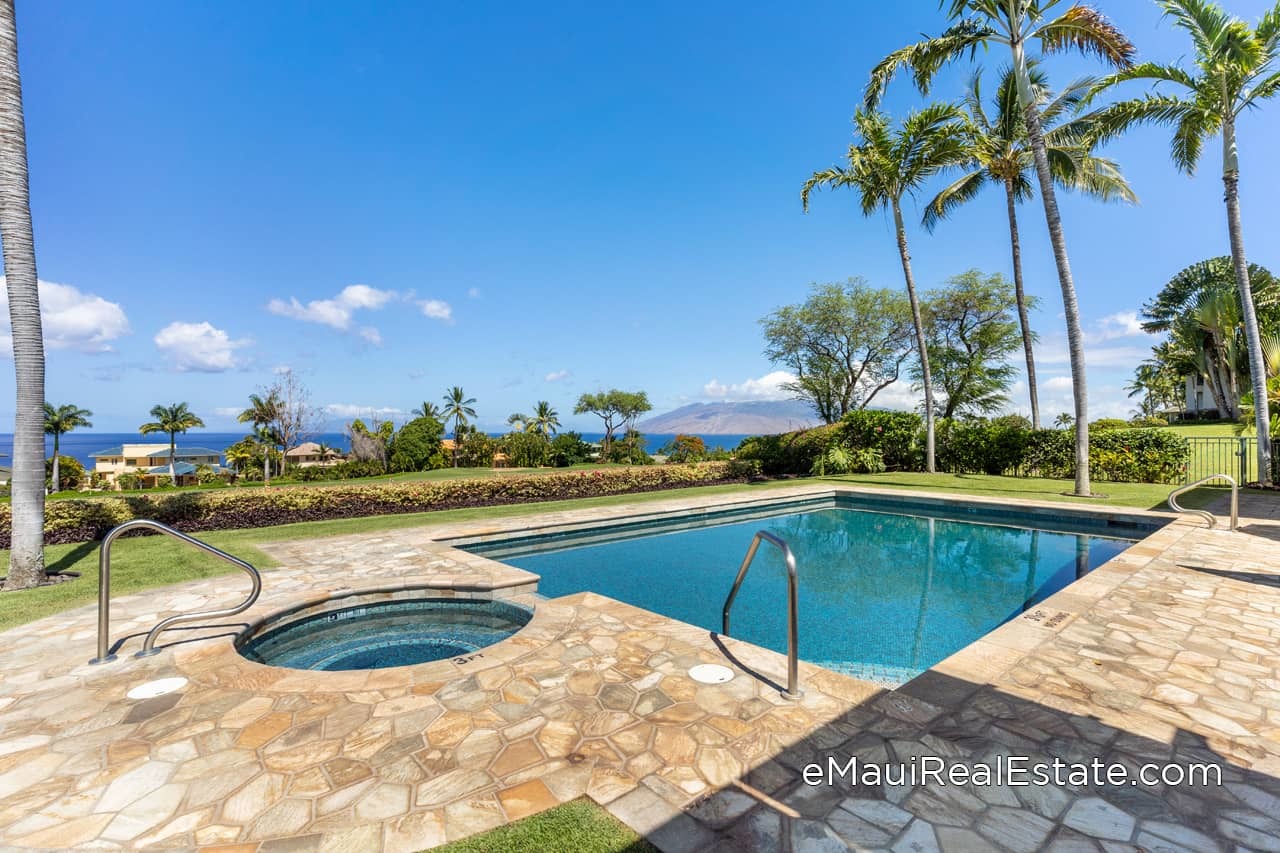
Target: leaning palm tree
545	419
1236	67
171	419
428	410
26	550
58	422
262	413
885	165
1002	156
1015	23
457	405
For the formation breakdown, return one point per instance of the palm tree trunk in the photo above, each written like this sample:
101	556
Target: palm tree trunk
921	345
1023	320
1257	365
173	452
26	555
266	465
1075	338
457	422
55	478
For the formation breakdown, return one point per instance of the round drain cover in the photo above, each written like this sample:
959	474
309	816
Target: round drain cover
157	688
711	673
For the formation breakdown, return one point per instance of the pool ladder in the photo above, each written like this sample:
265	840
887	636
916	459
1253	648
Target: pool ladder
1172	500
104	588
793	690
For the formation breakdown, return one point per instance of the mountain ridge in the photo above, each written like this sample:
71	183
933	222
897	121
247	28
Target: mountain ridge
754	417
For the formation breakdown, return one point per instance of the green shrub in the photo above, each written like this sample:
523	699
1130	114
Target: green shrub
416	446
685	448
477	450
1103	424
981	447
70	473
1130	455
567	449
789	453
897	435
79	520
525	449
1149	421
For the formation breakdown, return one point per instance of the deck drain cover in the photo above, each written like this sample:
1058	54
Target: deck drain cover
711	673
157	688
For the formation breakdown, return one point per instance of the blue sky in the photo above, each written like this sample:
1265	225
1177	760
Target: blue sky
531	202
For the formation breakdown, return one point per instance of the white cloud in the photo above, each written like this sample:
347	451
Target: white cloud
473	293
199	347
437	309
557	375
228	411
372	335
1122	324
336	312
767	387
70	318
351	410
1058	383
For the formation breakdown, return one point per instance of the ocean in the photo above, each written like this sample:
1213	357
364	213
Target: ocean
80	444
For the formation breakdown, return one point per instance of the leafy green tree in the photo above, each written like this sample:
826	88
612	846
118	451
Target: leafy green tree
171	420
567	449
972	333
72	473
58	421
1002	156
685	448
457	407
26	552
845	344
1237	67
1015	24
630	451
525	449
416	446
615	408
477	450
886	164
263	412
545	420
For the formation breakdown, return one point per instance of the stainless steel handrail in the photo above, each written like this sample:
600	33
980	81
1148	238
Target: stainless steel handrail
104	587
793	690
1208	516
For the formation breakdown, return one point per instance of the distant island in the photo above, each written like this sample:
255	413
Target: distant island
761	417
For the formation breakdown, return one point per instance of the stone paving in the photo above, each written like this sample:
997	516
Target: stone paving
1166	653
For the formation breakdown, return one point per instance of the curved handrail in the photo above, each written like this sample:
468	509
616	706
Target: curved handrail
793	690
1172	500
104	587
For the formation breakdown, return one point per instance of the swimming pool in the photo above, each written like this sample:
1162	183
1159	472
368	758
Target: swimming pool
883	595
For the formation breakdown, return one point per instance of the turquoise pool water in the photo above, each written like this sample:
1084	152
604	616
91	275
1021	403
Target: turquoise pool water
882	595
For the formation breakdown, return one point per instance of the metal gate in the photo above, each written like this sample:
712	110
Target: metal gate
1225	455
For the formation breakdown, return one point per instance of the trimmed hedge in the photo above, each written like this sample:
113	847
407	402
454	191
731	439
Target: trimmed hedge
69	521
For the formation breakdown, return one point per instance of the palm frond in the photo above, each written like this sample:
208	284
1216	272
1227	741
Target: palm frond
1268	30
1086	30
1203	21
953	196
833	177
924	58
1268	87
1113	120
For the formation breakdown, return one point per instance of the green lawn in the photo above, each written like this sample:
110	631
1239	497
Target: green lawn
1220	429
579	826
143	562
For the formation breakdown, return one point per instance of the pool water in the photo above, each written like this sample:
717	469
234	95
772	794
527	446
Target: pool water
387	633
882	595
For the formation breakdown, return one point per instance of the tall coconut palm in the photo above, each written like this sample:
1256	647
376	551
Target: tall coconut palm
1002	156
26	554
886	164
1014	23
545	419
58	422
171	419
263	411
429	410
457	406
1236	67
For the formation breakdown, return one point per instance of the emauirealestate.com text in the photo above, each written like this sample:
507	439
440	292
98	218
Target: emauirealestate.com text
1012	770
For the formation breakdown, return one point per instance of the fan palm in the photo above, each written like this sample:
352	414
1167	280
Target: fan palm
263	411
429	410
1014	23
545	419
58	422
26	554
885	164
457	406
171	419
518	422
1236	67
1002	156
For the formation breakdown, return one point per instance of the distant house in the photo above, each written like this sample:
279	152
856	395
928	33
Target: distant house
308	454
151	462
1199	402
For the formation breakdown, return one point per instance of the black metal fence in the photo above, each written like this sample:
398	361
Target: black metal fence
1237	456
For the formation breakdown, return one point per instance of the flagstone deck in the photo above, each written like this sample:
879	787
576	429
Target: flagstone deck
1166	653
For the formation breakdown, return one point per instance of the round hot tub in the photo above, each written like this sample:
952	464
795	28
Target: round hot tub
382	633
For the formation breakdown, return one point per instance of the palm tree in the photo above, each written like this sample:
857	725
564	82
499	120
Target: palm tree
545	420
26	554
1014	23
428	410
1236	67
518	422
886	164
457	405
268	438
1002	156
171	419
325	451
59	421
262	413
